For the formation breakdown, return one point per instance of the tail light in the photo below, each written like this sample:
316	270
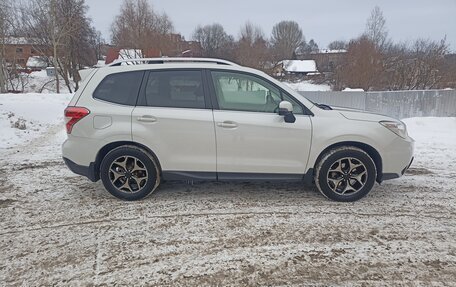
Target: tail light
73	115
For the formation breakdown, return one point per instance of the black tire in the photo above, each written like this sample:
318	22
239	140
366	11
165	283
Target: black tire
140	177
348	184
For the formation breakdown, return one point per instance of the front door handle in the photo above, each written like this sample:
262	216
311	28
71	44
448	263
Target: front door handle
147	119
228	125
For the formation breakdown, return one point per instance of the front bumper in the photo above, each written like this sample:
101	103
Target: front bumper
387	176
397	157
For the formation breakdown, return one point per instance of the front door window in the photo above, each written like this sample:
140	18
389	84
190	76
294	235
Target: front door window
242	92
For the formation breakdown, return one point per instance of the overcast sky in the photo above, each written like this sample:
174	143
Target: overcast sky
324	21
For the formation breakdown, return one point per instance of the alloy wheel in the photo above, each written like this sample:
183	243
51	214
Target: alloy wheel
347	176
128	174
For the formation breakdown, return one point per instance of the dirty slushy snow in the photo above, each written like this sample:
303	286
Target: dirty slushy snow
58	228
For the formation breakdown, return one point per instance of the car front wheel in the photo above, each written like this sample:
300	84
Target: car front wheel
129	173
345	174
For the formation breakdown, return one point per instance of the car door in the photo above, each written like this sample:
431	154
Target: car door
253	140
173	118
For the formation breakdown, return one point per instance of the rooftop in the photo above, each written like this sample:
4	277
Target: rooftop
300	66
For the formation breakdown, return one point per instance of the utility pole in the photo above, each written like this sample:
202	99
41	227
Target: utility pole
55	43
3	24
3	88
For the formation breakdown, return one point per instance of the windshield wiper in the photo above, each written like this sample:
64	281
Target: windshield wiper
324	107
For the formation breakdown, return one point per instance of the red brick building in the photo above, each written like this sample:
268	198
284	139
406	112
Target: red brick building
19	49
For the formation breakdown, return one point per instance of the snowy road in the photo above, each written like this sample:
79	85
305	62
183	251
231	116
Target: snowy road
59	228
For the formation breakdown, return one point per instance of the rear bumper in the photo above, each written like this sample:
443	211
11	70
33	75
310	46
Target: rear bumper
87	171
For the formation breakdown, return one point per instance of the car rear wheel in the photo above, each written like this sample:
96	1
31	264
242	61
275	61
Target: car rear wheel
345	174
129	173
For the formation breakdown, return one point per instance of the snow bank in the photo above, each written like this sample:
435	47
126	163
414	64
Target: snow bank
38	81
24	117
424	127
308	86
36	62
435	141
352	90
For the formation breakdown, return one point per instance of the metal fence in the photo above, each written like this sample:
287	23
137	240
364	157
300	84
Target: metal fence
398	104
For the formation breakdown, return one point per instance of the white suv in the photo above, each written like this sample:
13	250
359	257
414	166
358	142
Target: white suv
207	119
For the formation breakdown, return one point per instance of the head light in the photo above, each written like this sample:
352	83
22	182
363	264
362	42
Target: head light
398	128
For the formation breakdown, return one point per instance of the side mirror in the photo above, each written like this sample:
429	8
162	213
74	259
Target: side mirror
285	107
286	110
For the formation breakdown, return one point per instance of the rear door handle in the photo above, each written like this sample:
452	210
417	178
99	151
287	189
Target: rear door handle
227	124
147	119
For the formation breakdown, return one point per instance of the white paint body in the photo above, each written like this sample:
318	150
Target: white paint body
206	140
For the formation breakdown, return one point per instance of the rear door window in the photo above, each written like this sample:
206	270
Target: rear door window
120	88
175	89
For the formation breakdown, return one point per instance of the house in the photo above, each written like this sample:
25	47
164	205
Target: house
18	50
326	60
297	67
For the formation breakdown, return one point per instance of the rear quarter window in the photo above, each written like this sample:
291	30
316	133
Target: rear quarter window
120	88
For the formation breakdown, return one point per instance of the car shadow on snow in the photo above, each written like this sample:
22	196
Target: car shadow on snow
236	191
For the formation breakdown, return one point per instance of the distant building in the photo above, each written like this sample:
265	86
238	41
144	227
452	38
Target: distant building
18	50
296	67
326	60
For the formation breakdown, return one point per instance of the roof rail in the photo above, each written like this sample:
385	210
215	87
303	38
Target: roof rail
140	61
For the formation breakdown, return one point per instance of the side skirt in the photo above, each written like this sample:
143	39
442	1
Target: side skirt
235	176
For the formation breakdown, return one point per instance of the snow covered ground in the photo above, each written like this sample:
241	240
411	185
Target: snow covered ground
308	86
57	228
38	82
24	117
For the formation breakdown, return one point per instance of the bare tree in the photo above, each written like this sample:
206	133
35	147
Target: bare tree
77	49
49	23
252	47
338	45
449	71
375	28
286	37
308	48
251	33
428	59
363	67
139	26
6	15
97	42
420	66
214	41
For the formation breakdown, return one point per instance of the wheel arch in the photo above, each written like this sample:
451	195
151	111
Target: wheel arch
371	151
108	147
